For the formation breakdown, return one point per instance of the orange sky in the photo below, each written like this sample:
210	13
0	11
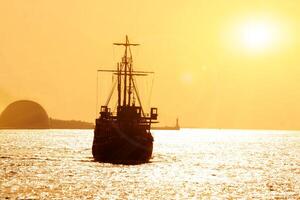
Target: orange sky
231	64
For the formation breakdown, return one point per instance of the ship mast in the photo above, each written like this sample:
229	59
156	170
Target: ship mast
125	68
125	75
127	64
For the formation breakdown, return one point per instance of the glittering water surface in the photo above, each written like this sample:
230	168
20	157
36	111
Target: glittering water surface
186	164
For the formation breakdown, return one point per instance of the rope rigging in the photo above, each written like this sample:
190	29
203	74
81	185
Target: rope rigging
126	81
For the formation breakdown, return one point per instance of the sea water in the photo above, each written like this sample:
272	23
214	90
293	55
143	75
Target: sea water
186	164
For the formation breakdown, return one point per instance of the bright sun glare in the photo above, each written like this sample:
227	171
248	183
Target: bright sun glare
258	35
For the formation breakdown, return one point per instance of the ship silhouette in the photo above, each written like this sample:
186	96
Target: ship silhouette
124	136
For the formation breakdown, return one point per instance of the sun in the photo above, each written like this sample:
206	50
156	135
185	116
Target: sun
257	35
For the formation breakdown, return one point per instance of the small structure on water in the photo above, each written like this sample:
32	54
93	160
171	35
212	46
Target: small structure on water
124	136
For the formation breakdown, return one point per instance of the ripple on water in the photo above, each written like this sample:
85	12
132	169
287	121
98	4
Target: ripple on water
188	164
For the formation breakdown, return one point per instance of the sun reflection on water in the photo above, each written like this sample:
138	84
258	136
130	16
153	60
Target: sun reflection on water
190	163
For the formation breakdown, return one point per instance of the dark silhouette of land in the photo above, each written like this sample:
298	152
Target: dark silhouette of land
70	124
26	114
176	127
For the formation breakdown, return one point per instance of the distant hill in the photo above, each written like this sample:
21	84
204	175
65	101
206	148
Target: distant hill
26	114
69	124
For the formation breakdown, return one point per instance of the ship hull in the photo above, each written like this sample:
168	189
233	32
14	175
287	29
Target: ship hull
122	149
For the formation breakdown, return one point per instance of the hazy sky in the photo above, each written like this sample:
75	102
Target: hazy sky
218	63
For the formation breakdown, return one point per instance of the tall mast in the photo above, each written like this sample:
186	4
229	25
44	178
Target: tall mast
125	75
130	78
119	84
127	64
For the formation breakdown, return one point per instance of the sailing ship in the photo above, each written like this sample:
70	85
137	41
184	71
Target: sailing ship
124	136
